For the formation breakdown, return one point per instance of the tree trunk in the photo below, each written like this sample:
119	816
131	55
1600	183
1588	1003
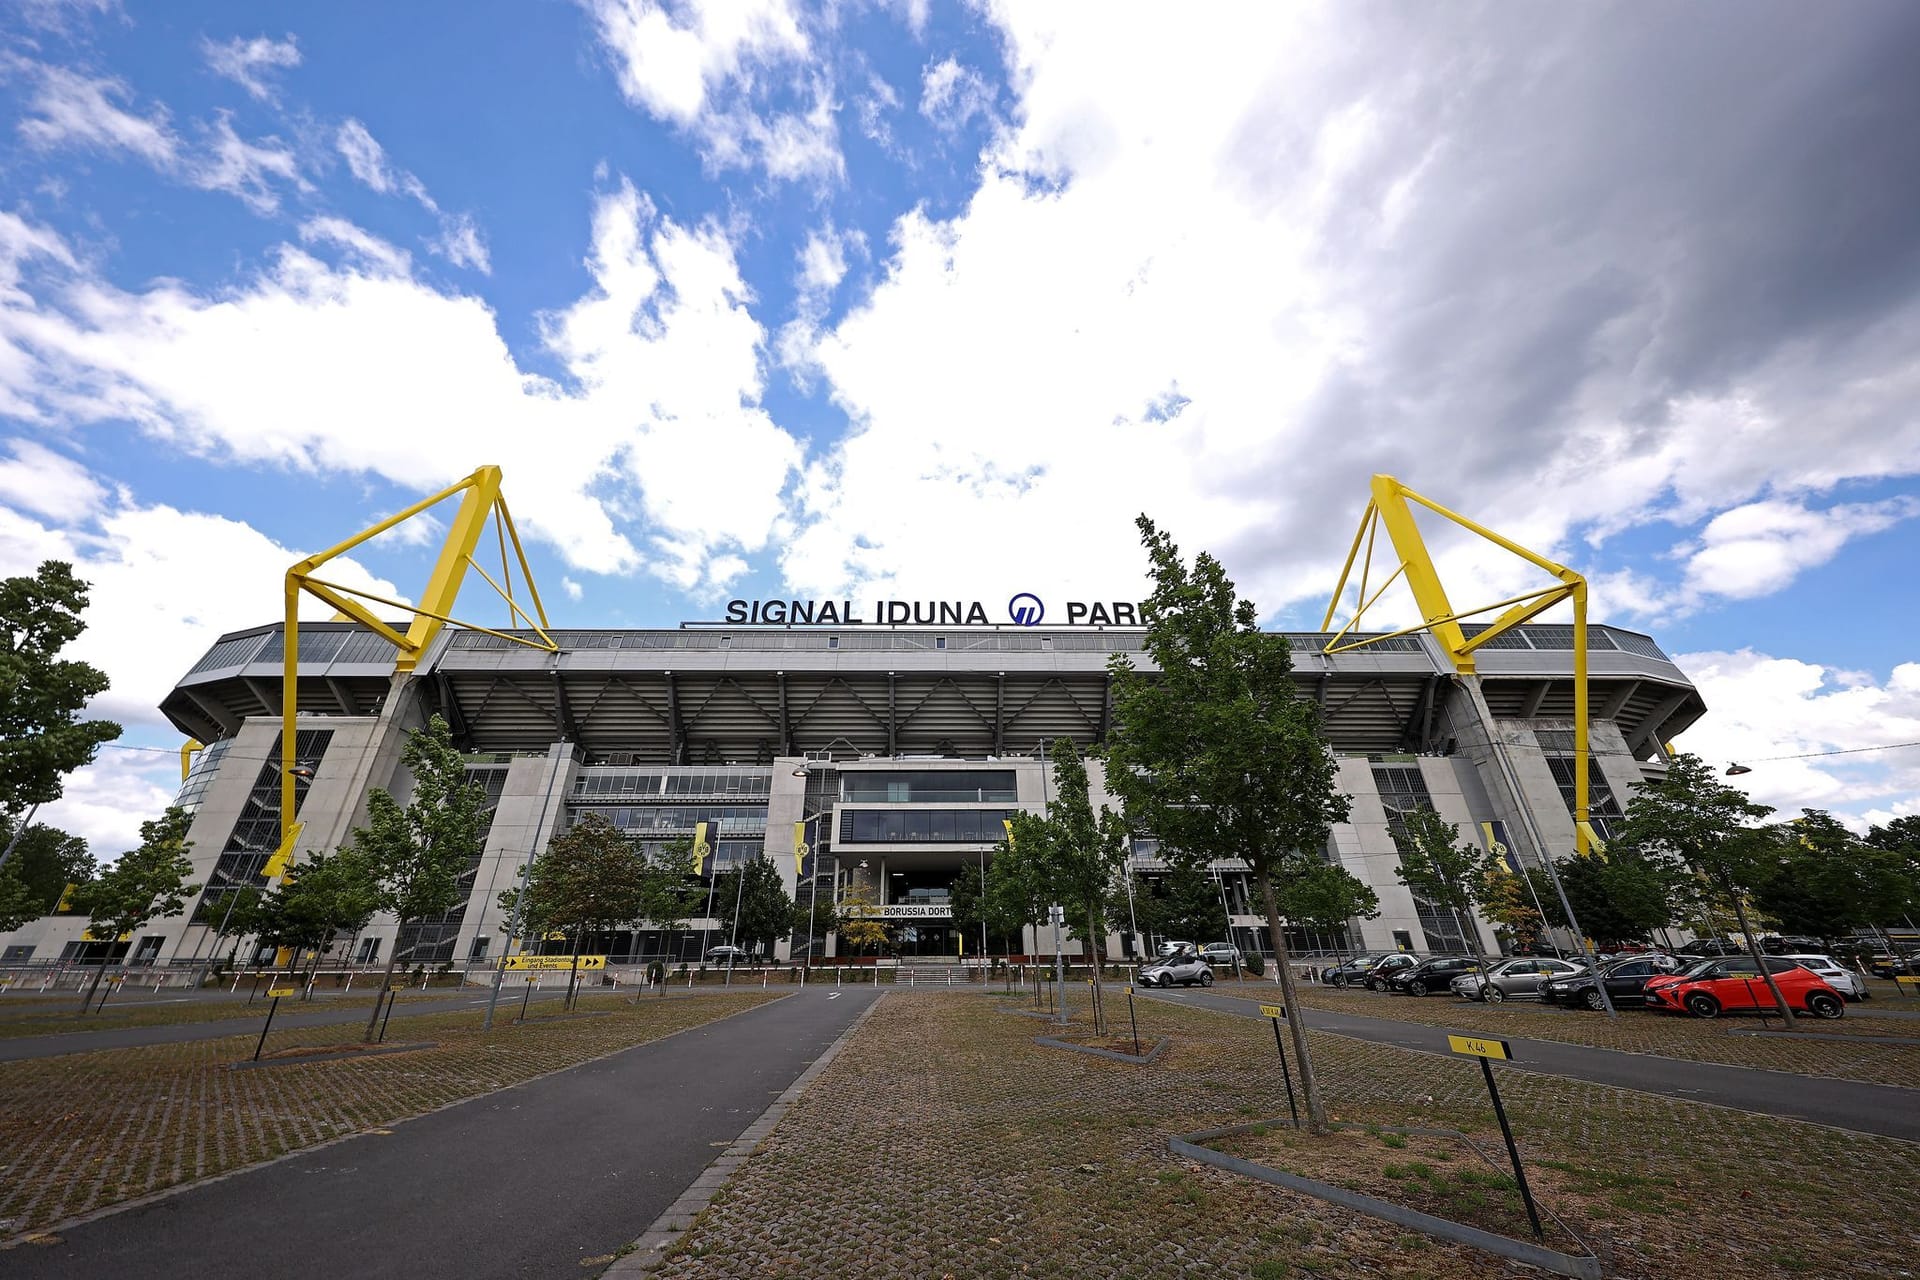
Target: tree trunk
1303	1057
573	974
94	990
1753	949
386	981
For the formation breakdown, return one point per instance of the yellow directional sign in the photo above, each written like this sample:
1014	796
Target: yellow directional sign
554	962
278	992
1273	1011
1128	990
1476	1047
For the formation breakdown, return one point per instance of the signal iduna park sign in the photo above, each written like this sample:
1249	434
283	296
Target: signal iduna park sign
1023	610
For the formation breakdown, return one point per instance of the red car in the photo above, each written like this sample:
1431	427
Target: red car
1731	984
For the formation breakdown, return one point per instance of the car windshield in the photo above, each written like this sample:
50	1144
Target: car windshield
1697	968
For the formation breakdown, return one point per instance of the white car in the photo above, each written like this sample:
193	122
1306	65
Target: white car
1222	953
1834	974
1169	946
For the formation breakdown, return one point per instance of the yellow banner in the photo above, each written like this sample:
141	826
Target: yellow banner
799	849
553	962
700	848
1273	1011
1008	824
1475	1047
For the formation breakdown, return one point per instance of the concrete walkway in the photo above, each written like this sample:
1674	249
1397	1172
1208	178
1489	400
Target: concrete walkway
1844	1104
529	1181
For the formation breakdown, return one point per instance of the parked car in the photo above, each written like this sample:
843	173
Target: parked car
1220	953
1182	968
1375	978
1883	965
1710	947
1792	945
736	954
1626	983
1734	985
1169	946
1353	970
1834	974
1516	979
1431	975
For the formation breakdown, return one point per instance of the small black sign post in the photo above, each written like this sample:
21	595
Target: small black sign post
1276	1014
1135	1021
531	978
1487	1051
276	993
393	993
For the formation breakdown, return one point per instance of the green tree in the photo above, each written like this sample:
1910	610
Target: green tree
590	879
147	883
670	894
1436	865
1325	896
1216	754
975	906
45	861
1622	897
1826	882
42	737
1183	904
765	910
419	851
1508	901
860	923
1691	815
318	899
1077	854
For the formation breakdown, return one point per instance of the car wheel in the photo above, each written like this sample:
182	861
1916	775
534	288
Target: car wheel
1338	980
1493	994
1822	1005
1416	988
1702	1005
1595	1001
1206	979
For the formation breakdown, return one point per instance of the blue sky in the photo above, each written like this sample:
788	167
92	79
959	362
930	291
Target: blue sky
928	300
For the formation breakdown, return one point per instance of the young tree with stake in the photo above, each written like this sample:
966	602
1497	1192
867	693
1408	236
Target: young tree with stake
1438	867
1217	755
418	852
148	883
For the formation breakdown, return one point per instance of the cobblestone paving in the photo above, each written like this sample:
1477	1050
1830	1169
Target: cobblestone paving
60	1017
83	1131
944	1143
1638	1031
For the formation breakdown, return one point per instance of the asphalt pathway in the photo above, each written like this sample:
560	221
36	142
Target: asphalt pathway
1843	1104
525	1182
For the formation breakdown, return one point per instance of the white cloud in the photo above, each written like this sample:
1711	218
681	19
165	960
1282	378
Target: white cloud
823	261
358	368
153	610
38	480
71	109
573	589
710	67
251	63
1756	549
951	95
370	250
1311	247
246	170
1761	707
461	243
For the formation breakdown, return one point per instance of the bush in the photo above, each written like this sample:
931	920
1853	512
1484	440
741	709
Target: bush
1255	964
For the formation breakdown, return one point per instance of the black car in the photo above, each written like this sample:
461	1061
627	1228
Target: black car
1376	978
1711	947
1432	975
1626	983
1793	945
1352	971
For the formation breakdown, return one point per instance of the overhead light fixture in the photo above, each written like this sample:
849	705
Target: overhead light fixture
1735	770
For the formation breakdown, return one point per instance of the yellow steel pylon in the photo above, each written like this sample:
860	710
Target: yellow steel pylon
1389	506
483	499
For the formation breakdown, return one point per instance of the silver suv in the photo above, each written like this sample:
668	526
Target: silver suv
1182	968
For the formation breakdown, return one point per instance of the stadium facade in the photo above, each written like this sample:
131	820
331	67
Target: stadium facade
900	746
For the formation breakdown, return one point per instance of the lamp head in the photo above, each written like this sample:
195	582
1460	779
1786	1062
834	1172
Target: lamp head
1735	770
